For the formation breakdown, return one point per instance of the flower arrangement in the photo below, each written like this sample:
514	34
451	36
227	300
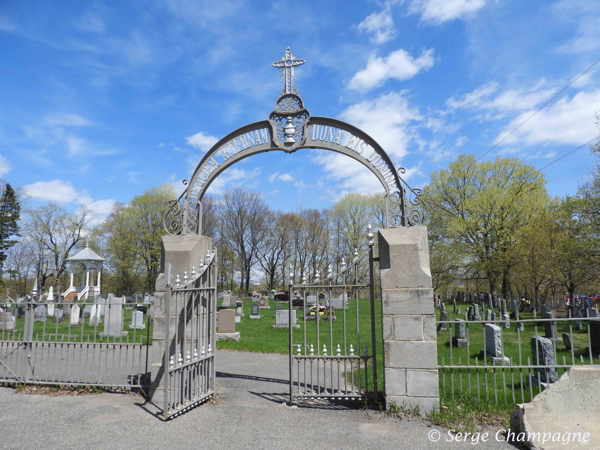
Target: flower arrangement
239	303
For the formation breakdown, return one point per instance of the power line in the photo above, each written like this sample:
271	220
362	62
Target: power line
542	107
567	154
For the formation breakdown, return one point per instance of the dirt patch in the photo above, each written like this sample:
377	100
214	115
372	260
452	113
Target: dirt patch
56	391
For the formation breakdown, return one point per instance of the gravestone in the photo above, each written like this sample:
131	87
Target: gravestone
227	321
87	310
238	314
311	299
577	314
550	327
282	319
66	307
256	311
476	315
490	303
50	312
506	321
488	315
279	307
101	302
95	315
340	302
40	314
74	320
264	302
457	310
520	326
7	321
513	308
542	353
454	303
58	315
442	306
113	317
470	315
137	320
226	300
460	334
567	341
594	325
592	312
443	316
147	299
493	345
256	298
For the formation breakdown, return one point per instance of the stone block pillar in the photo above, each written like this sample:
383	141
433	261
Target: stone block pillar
410	341
182	252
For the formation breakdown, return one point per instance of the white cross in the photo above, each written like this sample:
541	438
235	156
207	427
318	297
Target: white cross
287	66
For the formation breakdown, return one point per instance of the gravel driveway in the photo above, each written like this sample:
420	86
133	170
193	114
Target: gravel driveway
248	413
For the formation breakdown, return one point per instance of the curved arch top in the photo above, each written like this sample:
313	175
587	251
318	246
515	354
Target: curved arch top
289	128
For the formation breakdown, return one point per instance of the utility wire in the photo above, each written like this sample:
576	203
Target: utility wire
567	154
542	107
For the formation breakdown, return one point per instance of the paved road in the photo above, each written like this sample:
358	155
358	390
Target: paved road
248	413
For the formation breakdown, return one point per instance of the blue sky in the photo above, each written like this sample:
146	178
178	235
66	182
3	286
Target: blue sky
102	100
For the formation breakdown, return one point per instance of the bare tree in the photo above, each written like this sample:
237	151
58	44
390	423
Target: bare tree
244	215
57	232
20	265
273	252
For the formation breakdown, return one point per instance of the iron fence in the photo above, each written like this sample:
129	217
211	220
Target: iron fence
518	365
85	343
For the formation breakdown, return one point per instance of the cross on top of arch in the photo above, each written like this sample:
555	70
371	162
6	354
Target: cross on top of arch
287	68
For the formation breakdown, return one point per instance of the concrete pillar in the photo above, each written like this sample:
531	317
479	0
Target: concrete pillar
410	341
182	252
87	278
71	280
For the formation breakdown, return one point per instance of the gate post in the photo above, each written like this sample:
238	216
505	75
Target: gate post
181	252
410	341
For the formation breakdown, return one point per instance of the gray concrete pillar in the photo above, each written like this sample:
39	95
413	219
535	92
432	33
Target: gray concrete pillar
182	252
410	341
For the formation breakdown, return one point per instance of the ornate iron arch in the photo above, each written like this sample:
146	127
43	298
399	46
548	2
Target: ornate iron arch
289	128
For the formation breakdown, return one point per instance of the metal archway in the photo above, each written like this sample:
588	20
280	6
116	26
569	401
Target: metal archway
289	128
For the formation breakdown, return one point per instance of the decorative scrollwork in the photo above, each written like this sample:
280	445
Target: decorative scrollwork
416	215
289	103
289	130
173	220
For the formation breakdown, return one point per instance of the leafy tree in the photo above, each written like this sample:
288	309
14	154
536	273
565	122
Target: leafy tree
482	206
10	214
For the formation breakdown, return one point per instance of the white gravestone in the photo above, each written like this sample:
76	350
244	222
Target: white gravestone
137	320
95	315
340	302
50	312
311	299
282	319
226	300
113	317
7	321
74	315
40	314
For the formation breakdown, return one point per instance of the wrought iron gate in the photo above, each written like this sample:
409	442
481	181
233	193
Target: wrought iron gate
189	359
322	366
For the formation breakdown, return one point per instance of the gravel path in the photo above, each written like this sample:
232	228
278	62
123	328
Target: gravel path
248	413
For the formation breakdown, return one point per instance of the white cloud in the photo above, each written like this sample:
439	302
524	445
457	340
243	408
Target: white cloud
5	166
386	119
233	177
440	11
482	98
379	25
460	141
399	65
568	121
67	120
57	191
6	25
273	177
90	22
162	144
286	177
202	141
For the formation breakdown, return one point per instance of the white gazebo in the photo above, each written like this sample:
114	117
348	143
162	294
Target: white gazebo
90	261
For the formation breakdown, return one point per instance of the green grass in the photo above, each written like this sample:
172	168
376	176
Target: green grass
64	332
258	335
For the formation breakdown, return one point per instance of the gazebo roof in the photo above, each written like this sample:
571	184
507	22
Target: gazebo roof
87	254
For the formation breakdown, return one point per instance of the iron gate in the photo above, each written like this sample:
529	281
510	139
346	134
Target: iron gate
59	343
332	360
189	359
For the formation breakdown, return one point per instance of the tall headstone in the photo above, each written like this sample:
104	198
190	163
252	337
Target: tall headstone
506	321
490	303
454	303
460	334
114	317
549	327
542	353
74	319
95	315
443	316
567	341
50	311
87	310
493	345
476	315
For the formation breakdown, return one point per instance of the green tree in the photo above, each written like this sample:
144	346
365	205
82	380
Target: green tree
10	214
481	206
